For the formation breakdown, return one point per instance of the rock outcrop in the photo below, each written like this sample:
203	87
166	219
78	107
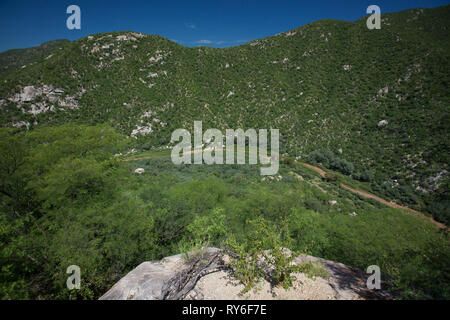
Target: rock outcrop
49	97
207	276
383	123
139	170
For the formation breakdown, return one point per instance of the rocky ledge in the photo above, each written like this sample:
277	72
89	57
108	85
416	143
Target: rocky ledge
207	276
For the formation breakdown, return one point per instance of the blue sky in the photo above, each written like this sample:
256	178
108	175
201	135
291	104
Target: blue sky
215	23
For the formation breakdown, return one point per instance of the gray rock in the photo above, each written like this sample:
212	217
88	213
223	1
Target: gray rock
176	277
139	171
29	93
144	282
149	280
383	123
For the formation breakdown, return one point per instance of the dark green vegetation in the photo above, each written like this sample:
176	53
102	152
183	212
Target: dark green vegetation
326	86
16	58
67	200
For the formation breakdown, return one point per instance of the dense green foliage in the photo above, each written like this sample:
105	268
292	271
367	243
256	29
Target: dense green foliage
65	199
16	58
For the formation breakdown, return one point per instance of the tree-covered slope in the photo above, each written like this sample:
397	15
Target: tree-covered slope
16	58
326	86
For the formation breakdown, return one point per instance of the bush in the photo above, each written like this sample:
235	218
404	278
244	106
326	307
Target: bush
329	160
263	254
331	177
365	176
288	161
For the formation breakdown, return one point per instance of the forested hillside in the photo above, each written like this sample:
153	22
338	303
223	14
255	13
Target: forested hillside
17	58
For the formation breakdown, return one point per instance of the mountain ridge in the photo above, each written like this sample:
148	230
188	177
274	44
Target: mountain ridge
15	58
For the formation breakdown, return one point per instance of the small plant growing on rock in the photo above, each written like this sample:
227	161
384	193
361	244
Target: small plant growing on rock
245	264
281	262
263	255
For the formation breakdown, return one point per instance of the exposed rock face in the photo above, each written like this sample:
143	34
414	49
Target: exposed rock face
28	94
207	276
26	100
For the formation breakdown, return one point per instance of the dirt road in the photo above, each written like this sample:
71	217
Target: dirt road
357	191
381	200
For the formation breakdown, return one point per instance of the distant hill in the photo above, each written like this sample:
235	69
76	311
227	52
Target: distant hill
373	104
16	58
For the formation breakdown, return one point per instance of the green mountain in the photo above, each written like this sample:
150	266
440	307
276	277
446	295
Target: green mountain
16	58
373	104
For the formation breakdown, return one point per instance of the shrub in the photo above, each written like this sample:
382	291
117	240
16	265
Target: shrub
331	177
288	160
263	253
331	161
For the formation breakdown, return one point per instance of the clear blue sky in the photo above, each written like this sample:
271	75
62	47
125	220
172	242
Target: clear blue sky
215	23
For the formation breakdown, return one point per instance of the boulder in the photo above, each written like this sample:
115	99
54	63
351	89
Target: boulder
139	171
383	123
207	275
